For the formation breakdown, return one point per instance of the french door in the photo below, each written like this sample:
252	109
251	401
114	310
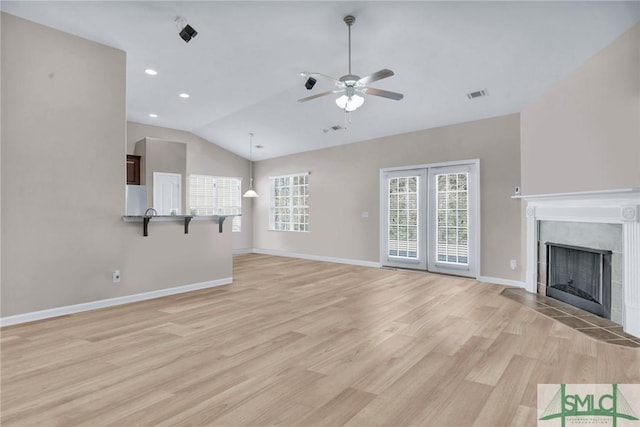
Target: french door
403	213
453	220
430	218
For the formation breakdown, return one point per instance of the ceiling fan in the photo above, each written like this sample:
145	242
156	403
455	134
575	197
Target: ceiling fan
351	86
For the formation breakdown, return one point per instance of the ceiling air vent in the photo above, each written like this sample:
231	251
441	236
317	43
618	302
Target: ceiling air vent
333	129
477	94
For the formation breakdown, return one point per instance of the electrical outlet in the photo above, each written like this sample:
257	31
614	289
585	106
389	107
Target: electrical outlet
513	264
116	276
365	214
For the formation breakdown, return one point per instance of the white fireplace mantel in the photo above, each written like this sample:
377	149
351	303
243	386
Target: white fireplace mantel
614	207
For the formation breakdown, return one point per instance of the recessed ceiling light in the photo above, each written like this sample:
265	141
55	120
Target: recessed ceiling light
151	72
153	115
184	95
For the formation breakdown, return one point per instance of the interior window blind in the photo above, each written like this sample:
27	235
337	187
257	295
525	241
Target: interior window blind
202	194
229	199
211	195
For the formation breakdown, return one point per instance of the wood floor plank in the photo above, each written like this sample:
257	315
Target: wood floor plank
403	401
338	410
264	406
453	413
298	342
509	388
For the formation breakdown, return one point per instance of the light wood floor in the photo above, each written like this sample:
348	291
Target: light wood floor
302	343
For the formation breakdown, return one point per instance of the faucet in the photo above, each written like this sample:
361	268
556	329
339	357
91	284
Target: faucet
153	212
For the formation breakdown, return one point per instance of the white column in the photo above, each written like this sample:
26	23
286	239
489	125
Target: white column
631	232
531	276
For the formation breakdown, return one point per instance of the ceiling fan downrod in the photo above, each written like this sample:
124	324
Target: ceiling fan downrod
349	20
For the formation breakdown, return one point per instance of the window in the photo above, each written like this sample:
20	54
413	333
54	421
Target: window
452	223
289	203
403	217
214	195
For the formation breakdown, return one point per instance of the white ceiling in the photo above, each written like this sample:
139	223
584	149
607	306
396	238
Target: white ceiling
243	68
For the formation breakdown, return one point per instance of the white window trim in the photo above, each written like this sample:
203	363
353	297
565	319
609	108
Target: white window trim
290	175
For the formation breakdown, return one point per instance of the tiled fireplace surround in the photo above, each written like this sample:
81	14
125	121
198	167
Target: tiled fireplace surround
587	235
601	220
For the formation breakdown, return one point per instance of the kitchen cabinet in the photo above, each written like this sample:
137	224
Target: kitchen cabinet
133	169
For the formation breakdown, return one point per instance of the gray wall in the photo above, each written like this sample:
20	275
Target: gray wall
63	173
584	134
204	158
344	182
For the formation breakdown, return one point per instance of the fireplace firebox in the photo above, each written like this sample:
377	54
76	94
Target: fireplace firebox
580	276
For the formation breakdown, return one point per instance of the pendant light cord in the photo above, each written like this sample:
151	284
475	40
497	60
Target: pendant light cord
251	161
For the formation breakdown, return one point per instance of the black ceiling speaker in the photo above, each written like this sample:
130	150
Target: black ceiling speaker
310	83
187	33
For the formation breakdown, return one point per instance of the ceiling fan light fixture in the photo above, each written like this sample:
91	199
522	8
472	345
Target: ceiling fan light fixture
350	103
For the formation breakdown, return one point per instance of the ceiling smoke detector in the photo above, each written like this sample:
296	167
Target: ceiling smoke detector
478	94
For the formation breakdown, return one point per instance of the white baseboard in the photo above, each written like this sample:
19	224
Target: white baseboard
358	262
494	280
242	251
499	281
93	305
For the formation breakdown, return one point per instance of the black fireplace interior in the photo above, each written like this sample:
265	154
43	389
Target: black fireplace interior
580	277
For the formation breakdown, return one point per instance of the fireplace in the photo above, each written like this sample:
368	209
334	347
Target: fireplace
580	276
607	208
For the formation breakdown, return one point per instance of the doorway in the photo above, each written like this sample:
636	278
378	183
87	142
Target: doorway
167	193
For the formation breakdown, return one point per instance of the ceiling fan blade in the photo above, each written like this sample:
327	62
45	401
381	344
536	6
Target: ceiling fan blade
383	93
323	76
378	75
318	95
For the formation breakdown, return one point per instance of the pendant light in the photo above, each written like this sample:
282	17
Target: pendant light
250	192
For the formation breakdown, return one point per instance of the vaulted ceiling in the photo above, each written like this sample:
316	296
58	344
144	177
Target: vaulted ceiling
242	71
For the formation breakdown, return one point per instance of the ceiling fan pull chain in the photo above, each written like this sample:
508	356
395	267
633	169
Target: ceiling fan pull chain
347	117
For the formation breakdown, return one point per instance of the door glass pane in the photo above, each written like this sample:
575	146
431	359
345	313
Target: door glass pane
452	225
403	217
